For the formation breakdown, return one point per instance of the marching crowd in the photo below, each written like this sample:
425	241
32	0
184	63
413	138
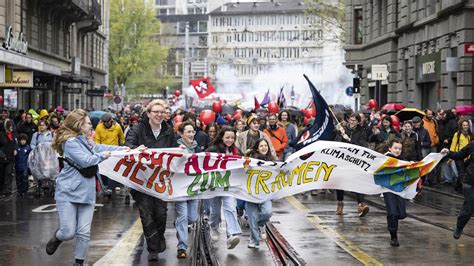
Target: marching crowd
83	142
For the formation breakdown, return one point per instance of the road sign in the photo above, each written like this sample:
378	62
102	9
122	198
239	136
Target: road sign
469	48
117	99
349	91
379	72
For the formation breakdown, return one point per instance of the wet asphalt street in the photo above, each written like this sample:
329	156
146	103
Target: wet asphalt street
308	223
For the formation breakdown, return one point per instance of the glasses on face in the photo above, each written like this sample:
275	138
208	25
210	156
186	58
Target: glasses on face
158	112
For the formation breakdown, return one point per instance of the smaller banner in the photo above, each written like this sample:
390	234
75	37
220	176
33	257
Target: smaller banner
173	175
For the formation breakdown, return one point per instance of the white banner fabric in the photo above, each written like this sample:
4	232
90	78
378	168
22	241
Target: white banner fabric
174	175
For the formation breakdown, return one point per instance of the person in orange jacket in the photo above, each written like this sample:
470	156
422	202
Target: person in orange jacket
277	135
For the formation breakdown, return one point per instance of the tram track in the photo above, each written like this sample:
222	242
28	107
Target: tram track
282	251
201	253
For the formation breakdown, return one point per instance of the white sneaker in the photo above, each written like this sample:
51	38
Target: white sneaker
263	232
232	241
214	233
252	244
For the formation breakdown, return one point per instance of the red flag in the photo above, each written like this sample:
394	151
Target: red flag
257	105
203	87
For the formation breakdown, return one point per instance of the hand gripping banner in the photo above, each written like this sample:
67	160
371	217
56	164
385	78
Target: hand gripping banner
173	175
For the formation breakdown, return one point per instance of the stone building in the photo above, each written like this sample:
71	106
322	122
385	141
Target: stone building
54	53
249	39
425	45
173	15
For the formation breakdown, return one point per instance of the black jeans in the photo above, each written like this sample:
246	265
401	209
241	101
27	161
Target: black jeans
6	177
396	210
467	207
153	213
340	196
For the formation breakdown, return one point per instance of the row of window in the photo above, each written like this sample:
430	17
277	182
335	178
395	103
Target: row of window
269	53
194	27
172	2
267	20
270	36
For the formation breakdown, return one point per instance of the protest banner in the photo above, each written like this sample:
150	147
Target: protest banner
173	175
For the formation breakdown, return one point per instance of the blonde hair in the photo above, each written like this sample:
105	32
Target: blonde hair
69	129
156	102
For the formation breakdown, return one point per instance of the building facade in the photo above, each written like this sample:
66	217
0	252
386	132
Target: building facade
174	15
248	39
54	53
425	46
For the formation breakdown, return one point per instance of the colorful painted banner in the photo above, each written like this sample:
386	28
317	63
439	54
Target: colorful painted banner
173	175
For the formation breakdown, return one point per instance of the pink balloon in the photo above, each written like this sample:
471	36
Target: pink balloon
177	93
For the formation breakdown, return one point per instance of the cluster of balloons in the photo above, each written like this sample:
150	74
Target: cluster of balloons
221	111
372	104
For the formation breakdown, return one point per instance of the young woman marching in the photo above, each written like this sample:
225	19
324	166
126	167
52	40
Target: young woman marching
186	211
259	214
395	205
225	143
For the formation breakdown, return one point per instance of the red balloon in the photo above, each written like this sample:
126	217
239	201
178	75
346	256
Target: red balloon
273	107
396	128
237	116
176	126
306	121
228	117
207	116
1	99
395	121
373	104
177	93
217	106
310	113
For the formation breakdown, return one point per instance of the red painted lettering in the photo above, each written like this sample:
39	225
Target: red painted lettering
206	160
134	178
193	162
128	166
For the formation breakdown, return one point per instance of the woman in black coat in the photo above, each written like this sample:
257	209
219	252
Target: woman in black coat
8	145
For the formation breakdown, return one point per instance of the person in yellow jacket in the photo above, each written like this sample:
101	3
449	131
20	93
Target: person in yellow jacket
431	125
460	140
109	132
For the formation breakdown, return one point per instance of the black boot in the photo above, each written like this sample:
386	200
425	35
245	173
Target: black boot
394	239
53	244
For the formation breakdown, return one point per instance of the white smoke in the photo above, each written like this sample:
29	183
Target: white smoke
330	77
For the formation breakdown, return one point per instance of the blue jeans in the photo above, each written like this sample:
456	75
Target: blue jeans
258	215
467	207
75	221
447	172
207	206
186	213
230	215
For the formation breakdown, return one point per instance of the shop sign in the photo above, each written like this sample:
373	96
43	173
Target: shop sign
469	48
17	44
452	64
72	90
428	68
20	79
41	83
95	93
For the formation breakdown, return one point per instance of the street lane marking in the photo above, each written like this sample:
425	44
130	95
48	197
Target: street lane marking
120	253
339	239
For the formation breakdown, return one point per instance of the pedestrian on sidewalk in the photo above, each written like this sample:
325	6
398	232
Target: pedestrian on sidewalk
460	140
75	185
259	214
8	143
467	208
21	164
394	204
186	211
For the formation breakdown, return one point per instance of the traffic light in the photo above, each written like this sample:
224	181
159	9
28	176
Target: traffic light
356	85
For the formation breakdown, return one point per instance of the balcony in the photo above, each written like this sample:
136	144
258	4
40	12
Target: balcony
73	11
